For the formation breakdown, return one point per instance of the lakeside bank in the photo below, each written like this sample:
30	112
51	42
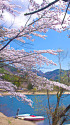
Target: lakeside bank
4	120
35	93
42	93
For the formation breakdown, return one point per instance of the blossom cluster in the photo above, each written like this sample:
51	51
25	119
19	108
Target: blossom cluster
27	62
5	5
22	97
11	89
50	18
44	83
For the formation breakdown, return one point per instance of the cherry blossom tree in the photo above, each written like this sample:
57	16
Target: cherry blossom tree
46	16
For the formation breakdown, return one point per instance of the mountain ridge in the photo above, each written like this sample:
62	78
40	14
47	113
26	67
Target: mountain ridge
53	75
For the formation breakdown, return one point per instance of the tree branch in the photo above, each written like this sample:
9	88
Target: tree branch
63	113
65	12
41	8
64	119
16	35
49	106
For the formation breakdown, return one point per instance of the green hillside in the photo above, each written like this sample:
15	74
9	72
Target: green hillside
8	75
11	74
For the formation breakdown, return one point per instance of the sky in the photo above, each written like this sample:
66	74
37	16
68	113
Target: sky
54	40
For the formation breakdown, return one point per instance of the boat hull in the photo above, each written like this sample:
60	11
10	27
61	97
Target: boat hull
34	118
29	117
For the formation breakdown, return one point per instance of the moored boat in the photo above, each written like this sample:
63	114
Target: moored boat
29	117
33	118
21	116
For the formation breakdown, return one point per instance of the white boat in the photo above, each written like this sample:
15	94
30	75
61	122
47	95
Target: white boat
34	118
30	117
21	116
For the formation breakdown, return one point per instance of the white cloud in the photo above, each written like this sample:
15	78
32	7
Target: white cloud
18	20
39	1
8	18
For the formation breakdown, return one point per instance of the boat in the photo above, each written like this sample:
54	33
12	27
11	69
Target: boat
29	117
21	116
34	118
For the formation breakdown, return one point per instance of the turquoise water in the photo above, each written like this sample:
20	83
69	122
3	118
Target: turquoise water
9	105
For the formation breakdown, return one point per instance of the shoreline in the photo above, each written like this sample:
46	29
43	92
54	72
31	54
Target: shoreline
4	120
36	93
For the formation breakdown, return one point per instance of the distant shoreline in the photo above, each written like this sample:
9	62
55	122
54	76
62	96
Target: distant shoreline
42	93
35	93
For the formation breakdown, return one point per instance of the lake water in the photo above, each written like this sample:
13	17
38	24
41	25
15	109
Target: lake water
9	105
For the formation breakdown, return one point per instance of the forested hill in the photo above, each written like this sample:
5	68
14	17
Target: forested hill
54	75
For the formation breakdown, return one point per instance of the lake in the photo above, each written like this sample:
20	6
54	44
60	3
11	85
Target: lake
9	105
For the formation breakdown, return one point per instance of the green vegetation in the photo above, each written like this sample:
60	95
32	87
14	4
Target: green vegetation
11	74
2	70
30	86
12	78
9	122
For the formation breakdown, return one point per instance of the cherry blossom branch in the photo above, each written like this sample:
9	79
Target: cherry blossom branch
10	88
41	8
65	12
15	36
